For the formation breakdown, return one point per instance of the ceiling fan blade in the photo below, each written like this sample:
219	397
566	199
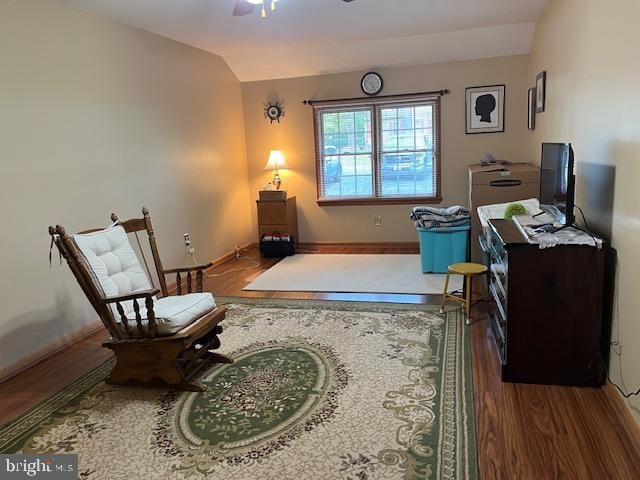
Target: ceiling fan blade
242	7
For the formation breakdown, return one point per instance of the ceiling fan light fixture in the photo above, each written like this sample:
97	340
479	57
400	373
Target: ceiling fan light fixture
246	7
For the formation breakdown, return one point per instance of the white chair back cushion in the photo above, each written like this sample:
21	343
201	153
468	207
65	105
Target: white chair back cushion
114	264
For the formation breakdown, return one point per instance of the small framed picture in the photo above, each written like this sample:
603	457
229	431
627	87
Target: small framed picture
485	109
541	91
531	117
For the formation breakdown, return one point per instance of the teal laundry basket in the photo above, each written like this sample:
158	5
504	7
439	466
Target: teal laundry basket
440	247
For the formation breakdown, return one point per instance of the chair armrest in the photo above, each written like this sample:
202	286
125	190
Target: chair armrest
187	269
199	269
131	296
152	329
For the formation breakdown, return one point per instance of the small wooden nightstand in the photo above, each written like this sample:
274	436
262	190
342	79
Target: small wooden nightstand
279	216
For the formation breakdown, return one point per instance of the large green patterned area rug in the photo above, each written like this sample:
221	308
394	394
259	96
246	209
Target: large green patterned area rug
318	390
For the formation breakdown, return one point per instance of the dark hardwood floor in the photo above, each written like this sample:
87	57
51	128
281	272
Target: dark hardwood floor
523	431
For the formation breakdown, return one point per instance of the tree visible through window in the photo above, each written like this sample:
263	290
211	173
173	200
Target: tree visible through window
376	152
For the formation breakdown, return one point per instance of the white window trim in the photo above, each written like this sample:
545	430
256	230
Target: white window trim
375	106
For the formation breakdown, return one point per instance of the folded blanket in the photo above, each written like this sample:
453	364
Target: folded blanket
434	217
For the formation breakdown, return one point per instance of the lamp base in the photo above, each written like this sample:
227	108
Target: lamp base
277	181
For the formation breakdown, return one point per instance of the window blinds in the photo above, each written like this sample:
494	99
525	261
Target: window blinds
378	149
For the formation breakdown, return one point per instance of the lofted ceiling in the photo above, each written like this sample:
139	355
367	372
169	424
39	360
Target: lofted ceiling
309	37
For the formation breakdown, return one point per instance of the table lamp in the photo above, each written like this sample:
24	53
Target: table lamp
275	162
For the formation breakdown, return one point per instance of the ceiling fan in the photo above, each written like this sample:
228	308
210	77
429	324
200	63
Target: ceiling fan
247	7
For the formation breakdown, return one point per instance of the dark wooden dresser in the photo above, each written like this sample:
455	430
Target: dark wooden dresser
278	216
546	309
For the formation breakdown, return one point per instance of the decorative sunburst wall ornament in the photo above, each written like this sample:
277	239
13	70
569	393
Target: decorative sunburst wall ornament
273	111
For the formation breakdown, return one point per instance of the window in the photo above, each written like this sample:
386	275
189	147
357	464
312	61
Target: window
378	152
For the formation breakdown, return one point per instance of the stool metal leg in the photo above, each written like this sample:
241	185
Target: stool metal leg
444	295
467	305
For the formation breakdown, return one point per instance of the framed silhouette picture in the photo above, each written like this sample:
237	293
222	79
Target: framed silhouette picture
485	109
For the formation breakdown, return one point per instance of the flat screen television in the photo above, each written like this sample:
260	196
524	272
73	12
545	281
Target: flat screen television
557	182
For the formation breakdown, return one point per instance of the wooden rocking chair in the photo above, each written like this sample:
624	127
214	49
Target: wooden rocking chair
157	341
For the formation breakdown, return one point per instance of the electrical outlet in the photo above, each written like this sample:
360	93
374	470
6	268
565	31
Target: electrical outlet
377	220
187	240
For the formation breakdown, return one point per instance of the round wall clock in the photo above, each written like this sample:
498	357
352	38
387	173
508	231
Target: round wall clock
371	83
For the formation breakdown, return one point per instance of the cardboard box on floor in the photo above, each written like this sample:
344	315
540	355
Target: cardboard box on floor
498	184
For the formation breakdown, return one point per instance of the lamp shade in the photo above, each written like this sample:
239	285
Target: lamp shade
275	161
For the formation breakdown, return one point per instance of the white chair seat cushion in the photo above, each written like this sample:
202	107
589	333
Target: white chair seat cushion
174	313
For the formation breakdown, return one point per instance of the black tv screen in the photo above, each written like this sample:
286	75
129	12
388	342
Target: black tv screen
557	182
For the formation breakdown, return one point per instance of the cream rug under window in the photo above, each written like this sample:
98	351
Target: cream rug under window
352	273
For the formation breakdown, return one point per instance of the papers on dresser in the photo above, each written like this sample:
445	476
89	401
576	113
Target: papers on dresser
533	230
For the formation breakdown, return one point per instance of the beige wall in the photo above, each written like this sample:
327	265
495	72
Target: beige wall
295	137
98	117
589	51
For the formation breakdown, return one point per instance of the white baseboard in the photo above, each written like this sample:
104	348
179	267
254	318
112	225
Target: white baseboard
49	350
